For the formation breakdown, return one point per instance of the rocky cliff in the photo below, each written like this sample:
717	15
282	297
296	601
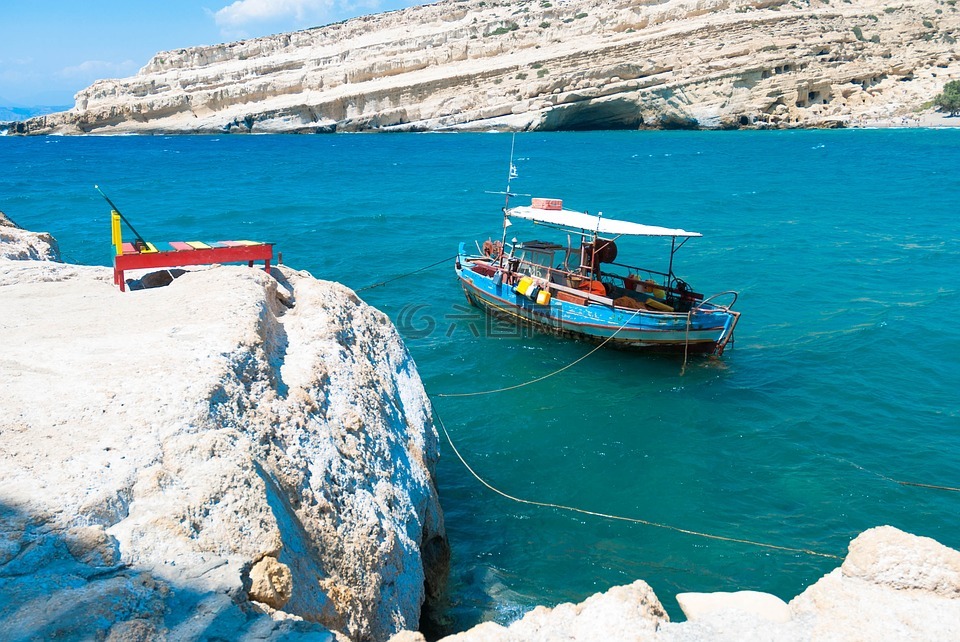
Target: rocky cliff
18	244
549	65
234	455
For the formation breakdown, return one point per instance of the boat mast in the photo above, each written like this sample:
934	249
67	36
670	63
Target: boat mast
593	245
511	174
673	250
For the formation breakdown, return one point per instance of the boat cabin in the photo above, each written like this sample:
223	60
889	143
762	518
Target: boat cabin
562	265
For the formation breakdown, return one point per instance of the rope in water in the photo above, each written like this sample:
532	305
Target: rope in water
633	520
546	376
397	278
898	481
686	344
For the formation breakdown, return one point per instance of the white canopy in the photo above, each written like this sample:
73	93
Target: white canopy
580	220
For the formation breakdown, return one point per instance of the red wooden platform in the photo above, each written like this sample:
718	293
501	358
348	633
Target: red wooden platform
189	253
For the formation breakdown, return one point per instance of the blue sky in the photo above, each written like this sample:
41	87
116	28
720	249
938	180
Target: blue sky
51	49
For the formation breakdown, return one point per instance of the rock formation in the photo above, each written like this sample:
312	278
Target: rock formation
891	586
548	65
17	244
623	613
233	455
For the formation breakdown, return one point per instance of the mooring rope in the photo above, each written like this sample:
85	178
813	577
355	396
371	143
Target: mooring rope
633	520
900	482
402	276
546	376
686	343
895	481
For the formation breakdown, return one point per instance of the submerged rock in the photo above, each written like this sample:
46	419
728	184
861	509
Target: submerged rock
185	461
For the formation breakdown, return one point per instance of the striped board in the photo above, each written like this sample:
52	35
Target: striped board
189	253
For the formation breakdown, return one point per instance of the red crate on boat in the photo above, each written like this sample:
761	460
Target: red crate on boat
547	204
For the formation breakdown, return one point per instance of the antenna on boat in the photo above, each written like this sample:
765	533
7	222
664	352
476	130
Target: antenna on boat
511	174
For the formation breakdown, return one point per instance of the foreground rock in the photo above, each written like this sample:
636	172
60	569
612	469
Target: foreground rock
577	64
17	244
623	613
222	457
892	586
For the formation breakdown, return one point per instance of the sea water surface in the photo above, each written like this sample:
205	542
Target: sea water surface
844	376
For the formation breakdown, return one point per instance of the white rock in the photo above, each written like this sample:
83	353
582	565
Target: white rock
697	606
19	244
628	613
892	586
157	443
889	557
408	636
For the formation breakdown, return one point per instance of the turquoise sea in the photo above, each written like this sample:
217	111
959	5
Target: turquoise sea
844	376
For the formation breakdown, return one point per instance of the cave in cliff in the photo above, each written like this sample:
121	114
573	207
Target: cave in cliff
619	113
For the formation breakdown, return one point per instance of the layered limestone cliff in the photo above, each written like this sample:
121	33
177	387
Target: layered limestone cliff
235	455
549	65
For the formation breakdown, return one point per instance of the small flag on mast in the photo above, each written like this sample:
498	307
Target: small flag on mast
513	170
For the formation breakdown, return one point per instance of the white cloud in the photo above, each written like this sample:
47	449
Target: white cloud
99	69
250	18
298	12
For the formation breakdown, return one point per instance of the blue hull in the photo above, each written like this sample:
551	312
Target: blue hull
706	330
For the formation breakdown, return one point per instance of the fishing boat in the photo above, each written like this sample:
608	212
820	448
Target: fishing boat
575	285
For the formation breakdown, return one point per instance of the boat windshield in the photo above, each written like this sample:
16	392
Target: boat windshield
536	258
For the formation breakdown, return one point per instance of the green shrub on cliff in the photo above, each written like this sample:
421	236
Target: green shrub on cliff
499	31
949	99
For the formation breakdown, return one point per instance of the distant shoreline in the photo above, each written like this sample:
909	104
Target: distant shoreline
889	123
926	120
929	120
